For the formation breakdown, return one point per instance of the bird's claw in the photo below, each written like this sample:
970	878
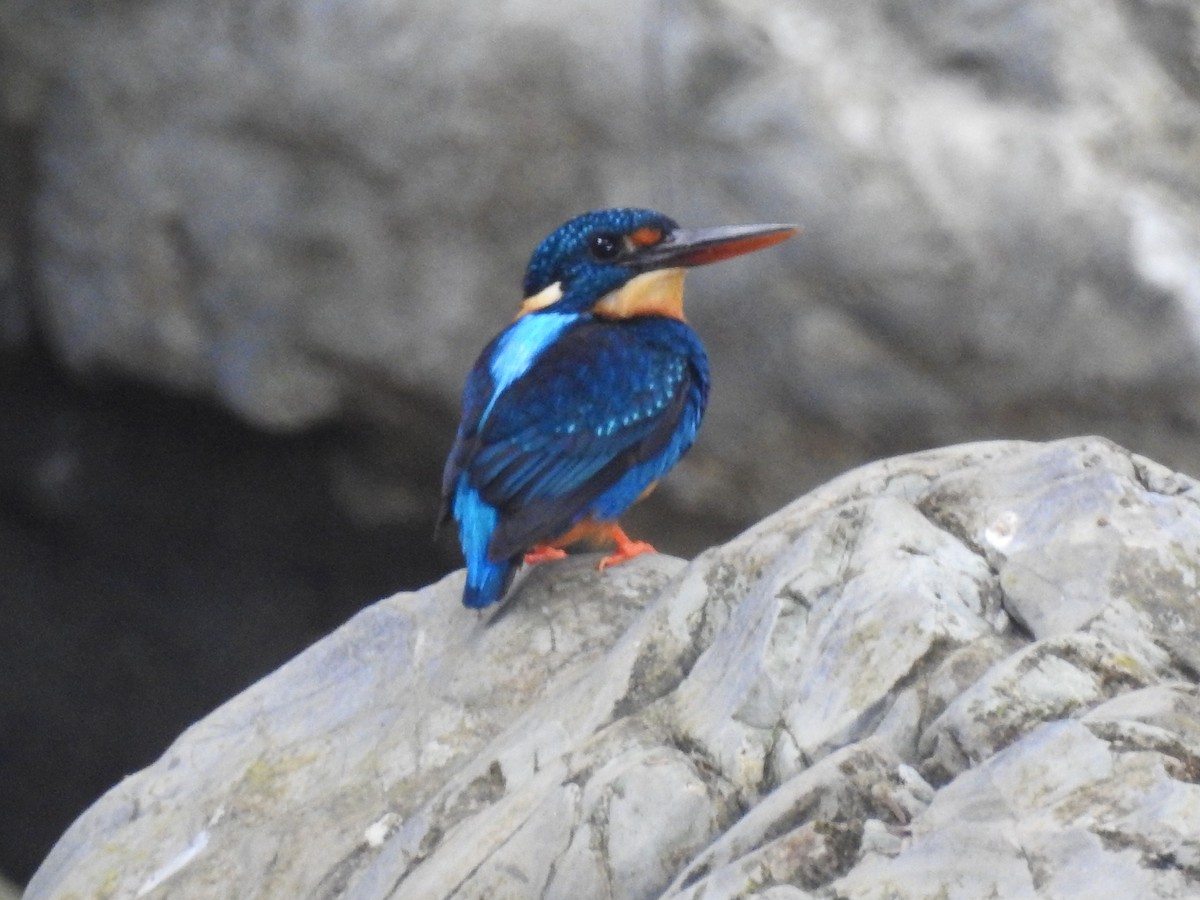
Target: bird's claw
544	553
625	551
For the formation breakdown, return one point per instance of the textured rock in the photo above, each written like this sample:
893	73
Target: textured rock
852	699
315	212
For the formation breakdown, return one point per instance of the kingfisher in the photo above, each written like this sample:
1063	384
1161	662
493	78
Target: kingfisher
575	410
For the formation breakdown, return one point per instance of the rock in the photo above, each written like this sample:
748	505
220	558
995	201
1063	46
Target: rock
853	698
315	213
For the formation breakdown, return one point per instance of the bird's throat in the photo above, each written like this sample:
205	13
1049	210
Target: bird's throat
657	293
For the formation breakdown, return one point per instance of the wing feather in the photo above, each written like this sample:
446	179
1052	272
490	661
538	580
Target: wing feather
602	399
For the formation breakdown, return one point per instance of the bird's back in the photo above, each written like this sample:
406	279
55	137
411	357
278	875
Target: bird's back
598	416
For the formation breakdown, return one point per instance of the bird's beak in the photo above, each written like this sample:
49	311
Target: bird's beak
701	246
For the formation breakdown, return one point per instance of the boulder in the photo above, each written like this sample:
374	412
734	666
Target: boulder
961	673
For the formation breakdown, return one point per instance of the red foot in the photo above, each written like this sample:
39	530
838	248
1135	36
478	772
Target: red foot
544	553
626	548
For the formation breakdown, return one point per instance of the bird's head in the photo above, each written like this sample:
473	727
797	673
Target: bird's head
628	262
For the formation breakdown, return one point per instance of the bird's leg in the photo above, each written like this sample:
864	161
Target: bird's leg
627	548
544	553
591	530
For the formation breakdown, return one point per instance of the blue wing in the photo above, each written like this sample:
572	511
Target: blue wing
580	423
506	358
604	412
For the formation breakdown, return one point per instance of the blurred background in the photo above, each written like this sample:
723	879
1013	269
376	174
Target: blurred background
248	251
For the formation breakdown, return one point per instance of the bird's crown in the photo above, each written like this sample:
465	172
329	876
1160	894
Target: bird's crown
590	248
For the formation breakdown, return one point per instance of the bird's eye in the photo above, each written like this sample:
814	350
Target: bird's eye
603	246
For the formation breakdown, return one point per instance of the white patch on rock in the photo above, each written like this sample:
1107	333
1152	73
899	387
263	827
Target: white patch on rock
175	864
1001	530
378	831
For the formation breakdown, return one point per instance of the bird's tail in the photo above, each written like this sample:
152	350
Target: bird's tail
487	579
487	583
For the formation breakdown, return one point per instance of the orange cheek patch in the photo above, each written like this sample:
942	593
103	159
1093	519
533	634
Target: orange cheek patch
646	237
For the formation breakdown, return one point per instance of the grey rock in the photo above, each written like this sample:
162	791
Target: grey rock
1060	813
842	702
801	832
313	213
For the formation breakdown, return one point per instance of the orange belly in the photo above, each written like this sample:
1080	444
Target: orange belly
592	530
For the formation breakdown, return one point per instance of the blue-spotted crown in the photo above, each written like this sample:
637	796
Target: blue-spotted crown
568	255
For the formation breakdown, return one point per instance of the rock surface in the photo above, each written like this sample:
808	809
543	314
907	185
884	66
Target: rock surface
963	673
